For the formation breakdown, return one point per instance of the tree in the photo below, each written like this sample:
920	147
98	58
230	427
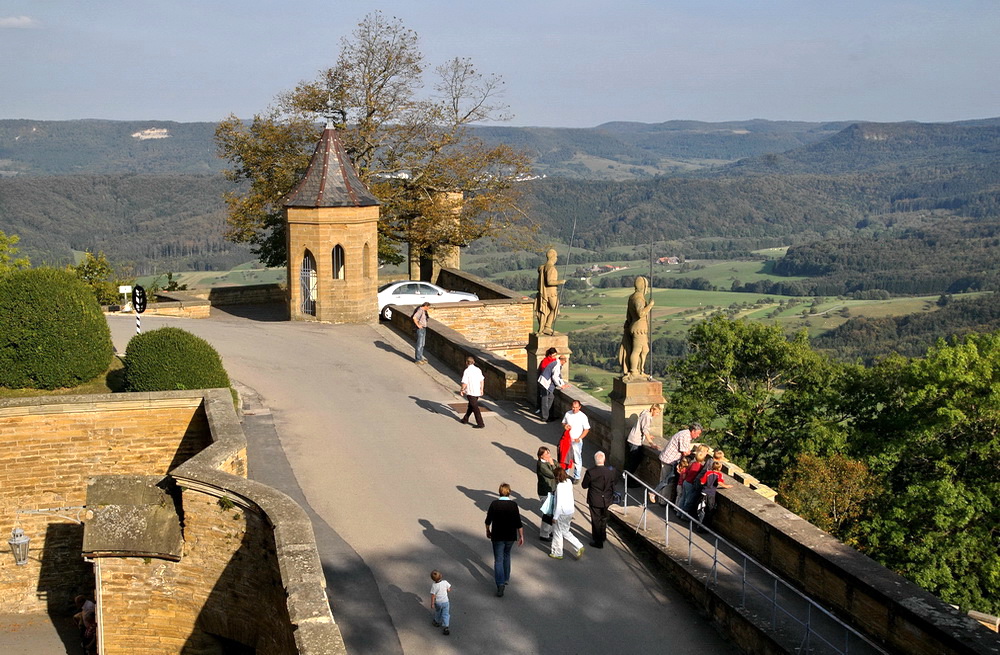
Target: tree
411	151
931	428
829	492
769	398
98	272
9	261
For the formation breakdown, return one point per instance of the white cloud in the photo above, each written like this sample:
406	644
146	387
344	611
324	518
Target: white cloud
18	22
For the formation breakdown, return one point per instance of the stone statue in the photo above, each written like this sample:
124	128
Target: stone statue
635	339
547	301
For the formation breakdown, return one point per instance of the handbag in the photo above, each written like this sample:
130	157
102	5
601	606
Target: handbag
547	507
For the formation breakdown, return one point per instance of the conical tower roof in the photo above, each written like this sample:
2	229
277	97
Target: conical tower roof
330	180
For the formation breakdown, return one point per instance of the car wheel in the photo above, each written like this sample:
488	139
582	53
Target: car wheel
387	313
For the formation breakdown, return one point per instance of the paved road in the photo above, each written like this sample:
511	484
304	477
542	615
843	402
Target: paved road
396	487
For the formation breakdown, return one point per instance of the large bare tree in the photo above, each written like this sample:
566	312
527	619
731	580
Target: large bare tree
412	146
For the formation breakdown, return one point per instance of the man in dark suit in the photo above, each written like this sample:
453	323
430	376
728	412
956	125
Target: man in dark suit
599	482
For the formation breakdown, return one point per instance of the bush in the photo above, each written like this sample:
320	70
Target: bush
169	359
52	331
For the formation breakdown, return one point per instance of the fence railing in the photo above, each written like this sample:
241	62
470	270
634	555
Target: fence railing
792	617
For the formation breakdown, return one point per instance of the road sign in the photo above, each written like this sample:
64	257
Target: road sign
139	299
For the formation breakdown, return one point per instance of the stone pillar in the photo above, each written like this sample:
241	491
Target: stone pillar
537	345
628	399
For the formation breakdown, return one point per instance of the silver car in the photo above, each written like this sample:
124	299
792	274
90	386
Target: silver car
414	292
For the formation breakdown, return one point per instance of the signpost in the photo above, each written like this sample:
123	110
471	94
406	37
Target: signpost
139	305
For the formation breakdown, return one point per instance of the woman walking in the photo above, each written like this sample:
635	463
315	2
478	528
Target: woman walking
565	507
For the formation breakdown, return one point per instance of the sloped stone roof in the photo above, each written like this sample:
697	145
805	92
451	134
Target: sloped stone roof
331	180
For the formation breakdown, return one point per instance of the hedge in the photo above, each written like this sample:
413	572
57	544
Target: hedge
52	332
168	359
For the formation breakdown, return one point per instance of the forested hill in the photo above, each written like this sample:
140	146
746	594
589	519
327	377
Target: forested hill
867	339
106	147
610	151
906	208
880	146
156	222
622	150
909	193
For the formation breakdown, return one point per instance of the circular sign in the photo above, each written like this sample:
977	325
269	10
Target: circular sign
139	299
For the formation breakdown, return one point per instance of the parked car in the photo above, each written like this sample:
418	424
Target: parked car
414	292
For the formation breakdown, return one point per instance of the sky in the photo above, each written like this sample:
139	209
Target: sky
565	63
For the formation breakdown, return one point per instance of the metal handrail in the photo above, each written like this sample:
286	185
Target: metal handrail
738	572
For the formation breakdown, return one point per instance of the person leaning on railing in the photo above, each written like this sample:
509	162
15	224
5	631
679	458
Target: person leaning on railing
677	446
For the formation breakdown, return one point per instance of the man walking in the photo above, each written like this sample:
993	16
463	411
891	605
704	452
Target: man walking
678	446
472	389
600	485
550	380
420	320
579	426
503	528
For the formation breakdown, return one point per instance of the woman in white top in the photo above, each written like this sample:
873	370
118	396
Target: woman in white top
565	506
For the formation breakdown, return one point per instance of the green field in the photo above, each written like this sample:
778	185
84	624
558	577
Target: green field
677	309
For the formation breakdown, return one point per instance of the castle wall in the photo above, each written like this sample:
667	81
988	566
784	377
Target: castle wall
249	573
48	449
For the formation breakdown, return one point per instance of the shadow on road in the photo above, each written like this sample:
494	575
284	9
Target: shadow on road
433	406
520	457
389	348
456	550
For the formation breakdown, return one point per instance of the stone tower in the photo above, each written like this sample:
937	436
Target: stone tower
332	238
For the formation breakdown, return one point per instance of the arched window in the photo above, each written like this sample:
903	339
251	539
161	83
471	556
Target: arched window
338	262
366	261
307	284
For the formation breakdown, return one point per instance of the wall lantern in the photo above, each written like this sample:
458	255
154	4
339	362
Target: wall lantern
19	541
19	546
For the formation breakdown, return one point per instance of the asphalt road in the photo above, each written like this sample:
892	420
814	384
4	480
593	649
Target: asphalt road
343	421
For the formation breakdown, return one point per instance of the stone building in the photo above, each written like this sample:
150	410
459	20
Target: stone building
332	239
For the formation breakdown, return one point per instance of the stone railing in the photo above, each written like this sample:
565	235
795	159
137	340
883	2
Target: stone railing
879	603
504	379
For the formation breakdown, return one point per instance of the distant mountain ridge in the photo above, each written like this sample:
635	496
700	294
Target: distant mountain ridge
706	187
617	150
869	146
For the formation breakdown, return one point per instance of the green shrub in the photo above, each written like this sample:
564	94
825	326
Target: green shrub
52	331
170	358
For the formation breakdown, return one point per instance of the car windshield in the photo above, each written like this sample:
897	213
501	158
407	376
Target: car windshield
385	286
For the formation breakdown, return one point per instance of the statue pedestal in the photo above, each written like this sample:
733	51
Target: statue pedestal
537	345
628	399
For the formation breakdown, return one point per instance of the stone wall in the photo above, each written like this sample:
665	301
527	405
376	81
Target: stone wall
49	446
249	575
876	601
504	379
251	294
499	323
226	588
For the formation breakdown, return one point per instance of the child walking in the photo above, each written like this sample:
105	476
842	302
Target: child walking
439	602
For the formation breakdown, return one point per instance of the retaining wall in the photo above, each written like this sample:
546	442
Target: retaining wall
249	575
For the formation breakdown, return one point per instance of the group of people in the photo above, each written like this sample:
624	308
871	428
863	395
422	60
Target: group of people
687	473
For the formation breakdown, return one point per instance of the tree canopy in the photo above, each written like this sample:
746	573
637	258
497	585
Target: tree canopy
410	149
9	261
879	456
